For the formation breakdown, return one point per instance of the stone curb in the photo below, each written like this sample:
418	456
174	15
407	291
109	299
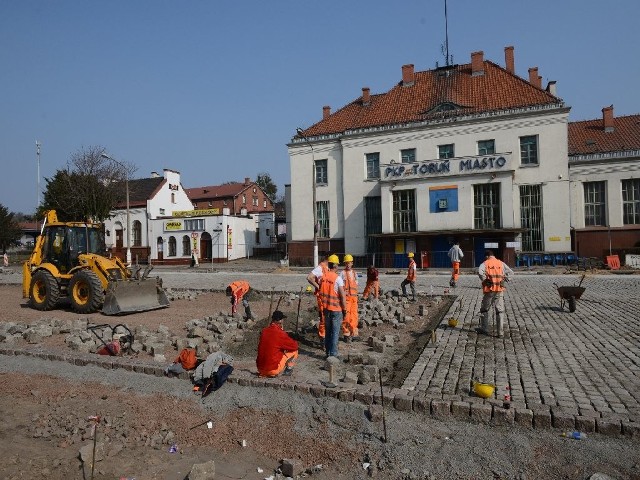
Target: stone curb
540	417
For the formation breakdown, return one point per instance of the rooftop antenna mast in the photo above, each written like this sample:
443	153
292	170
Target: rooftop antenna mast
448	58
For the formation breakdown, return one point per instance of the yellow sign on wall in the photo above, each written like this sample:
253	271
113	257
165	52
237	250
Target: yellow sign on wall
555	239
196	213
173	225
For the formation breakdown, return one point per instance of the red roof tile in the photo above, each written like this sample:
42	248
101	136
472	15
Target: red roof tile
588	136
495	90
227	190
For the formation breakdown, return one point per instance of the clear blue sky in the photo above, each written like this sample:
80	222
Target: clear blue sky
216	89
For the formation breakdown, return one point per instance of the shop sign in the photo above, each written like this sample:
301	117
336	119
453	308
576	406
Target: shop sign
173	225
196	213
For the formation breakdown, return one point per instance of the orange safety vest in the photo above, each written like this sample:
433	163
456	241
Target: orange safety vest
411	273
494	276
239	288
325	268
350	283
330	298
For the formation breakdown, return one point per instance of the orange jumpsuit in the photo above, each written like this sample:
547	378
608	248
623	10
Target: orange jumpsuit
350	321
237	289
373	284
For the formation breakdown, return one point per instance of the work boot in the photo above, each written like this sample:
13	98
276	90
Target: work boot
481	331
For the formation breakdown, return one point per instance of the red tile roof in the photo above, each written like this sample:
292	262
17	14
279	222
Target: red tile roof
495	90
588	136
221	191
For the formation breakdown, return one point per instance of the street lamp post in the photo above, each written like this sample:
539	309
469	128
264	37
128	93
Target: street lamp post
313	193
126	181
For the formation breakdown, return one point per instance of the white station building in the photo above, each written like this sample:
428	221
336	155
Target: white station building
469	152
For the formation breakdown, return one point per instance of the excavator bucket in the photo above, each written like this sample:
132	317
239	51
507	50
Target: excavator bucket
131	296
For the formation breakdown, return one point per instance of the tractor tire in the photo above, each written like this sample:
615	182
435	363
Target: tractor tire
44	291
85	292
572	304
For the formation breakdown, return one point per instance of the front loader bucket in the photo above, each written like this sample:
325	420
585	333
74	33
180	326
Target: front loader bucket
131	296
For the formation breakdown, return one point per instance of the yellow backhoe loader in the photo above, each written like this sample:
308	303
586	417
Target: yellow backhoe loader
68	262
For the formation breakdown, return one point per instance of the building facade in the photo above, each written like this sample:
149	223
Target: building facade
469	152
604	173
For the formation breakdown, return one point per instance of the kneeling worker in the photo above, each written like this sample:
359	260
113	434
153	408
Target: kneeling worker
277	351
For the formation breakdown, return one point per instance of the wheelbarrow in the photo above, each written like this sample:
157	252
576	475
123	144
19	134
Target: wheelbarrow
570	294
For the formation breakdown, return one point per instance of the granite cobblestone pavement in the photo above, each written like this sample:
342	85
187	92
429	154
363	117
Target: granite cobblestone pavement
557	365
564	370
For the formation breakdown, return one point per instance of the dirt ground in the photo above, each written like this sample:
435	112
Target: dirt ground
44	411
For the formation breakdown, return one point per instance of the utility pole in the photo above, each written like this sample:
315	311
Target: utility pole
38	144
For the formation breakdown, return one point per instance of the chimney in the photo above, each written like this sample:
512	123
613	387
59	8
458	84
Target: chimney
247	181
607	119
365	96
326	111
509	60
551	88
534	79
408	76
154	175
477	64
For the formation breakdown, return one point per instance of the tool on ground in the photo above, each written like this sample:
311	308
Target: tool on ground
570	294
96	421
68	262
118	341
298	316
206	422
384	419
271	303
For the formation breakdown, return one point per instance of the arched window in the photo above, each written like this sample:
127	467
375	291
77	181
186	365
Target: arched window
186	246
172	247
137	233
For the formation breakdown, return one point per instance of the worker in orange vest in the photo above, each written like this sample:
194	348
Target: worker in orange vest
494	274
411	278
314	279
334	304
373	283
236	291
455	254
350	279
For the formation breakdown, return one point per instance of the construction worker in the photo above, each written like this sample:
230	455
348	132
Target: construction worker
411	278
493	273
314	279
455	254
277	351
373	284
334	304
236	291
350	279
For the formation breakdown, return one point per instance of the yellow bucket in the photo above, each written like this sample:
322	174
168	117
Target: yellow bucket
452	322
483	390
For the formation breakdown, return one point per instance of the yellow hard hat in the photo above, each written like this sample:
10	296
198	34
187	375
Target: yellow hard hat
333	259
347	258
410	255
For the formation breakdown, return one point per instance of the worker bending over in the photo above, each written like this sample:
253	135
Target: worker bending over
236	291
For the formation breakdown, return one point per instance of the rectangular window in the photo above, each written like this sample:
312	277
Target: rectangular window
373	165
531	218
322	209
322	177
372	222
486	147
254	201
258	235
194	224
486	206
446	151
244	199
408	155
162	211
631	201
264	204
404	211
529	150
594	203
